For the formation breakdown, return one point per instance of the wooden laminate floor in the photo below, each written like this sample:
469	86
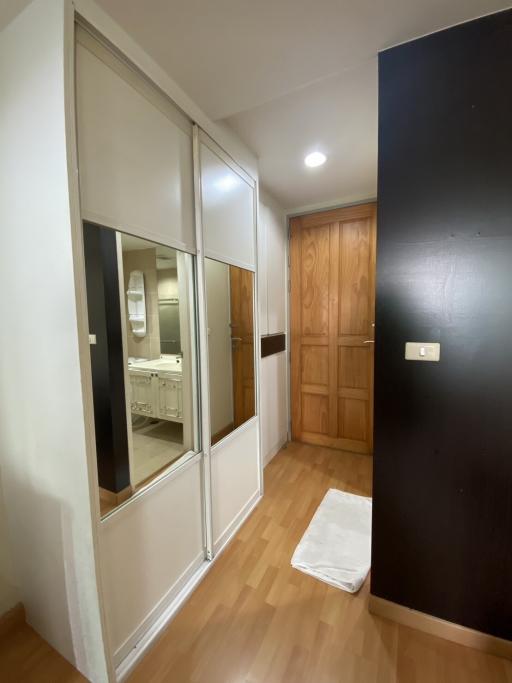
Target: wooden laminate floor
26	658
254	619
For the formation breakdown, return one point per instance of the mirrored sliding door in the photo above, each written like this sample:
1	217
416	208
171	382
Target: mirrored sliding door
230	311
141	305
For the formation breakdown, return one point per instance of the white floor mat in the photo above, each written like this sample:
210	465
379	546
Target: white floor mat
336	547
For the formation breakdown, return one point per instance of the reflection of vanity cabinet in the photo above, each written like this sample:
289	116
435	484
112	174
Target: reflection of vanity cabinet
155	392
170	397
142	400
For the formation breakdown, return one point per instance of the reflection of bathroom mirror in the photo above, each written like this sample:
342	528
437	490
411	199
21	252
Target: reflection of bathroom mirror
141	318
168	303
230	300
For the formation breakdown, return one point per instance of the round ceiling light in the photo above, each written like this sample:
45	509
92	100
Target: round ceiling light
315	159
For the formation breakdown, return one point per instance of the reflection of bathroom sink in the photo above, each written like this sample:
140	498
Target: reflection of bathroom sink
169	366
166	364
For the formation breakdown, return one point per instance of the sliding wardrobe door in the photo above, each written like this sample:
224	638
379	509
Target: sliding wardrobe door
137	202
135	151
228	219
228	198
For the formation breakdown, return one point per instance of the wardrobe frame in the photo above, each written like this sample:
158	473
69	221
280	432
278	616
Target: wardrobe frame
89	16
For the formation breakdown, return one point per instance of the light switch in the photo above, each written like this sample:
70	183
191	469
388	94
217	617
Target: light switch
423	351
92	339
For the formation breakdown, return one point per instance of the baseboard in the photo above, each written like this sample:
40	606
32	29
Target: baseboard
274	451
440	628
12	619
115	498
175	599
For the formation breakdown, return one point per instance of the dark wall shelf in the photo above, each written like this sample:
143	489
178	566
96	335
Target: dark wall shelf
273	343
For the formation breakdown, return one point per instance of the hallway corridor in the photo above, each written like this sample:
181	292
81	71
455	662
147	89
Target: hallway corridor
254	619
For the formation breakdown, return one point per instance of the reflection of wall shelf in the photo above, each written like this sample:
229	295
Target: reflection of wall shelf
172	301
136	297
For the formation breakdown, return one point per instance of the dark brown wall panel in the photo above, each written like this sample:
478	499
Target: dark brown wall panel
442	524
104	312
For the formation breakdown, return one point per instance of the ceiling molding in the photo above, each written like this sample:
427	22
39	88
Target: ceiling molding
327	206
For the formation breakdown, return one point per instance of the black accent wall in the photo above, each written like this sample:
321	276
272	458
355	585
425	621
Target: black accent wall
442	515
104	311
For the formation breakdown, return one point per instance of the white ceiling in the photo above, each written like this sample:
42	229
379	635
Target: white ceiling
289	76
338	116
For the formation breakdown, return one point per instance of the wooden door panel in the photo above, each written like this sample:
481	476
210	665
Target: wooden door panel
248	360
353	419
242	340
315	411
315	365
332	308
353	364
249	402
314	260
354	260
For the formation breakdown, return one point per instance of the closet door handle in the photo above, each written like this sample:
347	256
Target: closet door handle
369	341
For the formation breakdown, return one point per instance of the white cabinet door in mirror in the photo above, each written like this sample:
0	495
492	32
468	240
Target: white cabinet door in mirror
228	211
135	151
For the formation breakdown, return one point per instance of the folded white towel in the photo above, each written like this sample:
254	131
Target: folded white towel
336	547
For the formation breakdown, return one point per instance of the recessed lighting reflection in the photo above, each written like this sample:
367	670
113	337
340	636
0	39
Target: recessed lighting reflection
226	183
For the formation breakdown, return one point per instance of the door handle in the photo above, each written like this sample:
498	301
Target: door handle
369	341
236	338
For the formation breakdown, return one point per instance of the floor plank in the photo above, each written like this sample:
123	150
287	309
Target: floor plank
254	619
26	658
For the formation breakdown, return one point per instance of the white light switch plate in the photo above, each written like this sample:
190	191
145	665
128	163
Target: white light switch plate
424	351
92	339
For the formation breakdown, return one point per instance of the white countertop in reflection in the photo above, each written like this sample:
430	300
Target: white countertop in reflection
166	363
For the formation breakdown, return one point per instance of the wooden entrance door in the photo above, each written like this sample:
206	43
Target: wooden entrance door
242	343
332	314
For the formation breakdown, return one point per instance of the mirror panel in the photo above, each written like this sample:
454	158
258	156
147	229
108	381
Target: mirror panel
230	310
141	305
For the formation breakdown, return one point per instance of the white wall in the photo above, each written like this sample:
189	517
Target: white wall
273	307
42	440
274	404
9	590
167	283
272	264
